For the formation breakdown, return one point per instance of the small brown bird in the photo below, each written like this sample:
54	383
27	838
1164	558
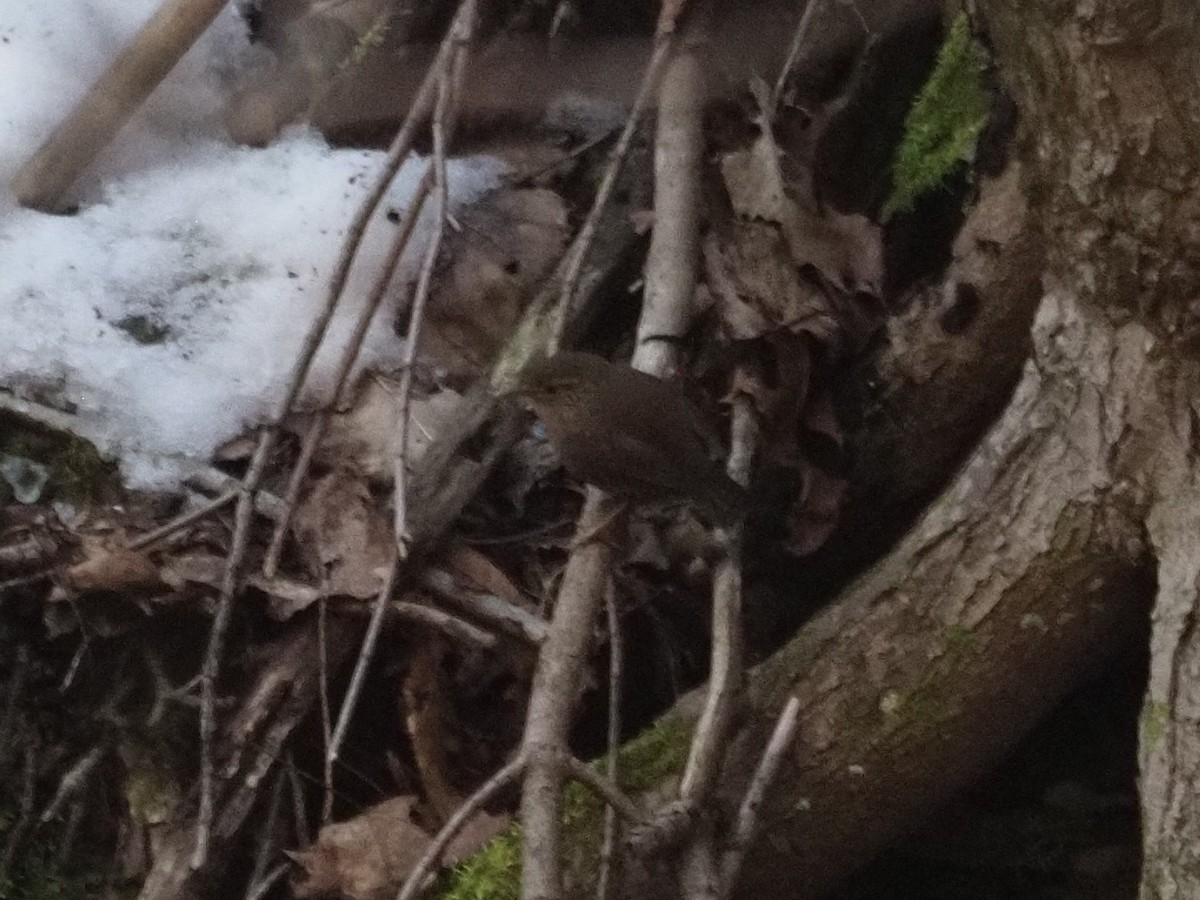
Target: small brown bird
631	434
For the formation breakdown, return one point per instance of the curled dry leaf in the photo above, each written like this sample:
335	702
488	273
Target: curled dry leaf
425	715
285	596
507	245
847	250
368	857
344	536
363	438
755	288
816	511
114	570
479	572
800	429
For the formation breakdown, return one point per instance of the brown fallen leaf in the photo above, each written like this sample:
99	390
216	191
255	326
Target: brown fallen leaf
344	536
756	290
424	702
847	250
368	857
115	570
476	570
363	437
507	245
816	512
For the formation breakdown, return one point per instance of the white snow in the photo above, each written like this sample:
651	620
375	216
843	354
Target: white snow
225	251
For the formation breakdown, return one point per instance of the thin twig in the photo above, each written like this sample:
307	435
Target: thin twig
562	12
184	520
73	781
267	836
443	621
494	610
326	710
456	823
365	653
799	38
270	433
446	93
263	887
341	379
615	666
725	669
449	87
560	668
85	642
299	813
663	46
747	818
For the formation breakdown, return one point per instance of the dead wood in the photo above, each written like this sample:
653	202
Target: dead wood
146	61
284	692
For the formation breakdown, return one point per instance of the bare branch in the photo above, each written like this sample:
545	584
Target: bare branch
764	775
615	666
664	44
492	609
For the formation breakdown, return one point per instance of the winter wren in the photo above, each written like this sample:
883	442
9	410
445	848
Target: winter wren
629	433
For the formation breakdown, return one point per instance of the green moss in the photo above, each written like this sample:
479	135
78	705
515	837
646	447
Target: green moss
655	756
370	40
77	470
494	873
1153	724
647	762
958	641
926	705
944	122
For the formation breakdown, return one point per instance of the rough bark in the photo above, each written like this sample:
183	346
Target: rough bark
1117	159
1034	565
1029	571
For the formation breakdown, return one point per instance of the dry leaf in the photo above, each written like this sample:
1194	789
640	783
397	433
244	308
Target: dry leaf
285	596
195	568
364	437
475	569
508	244
847	250
816	511
368	857
424	717
756	289
114	570
344	536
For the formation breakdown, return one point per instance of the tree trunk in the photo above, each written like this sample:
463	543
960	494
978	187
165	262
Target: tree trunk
1037	562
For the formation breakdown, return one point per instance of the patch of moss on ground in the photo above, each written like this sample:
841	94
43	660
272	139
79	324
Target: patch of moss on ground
945	120
78	472
645	763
